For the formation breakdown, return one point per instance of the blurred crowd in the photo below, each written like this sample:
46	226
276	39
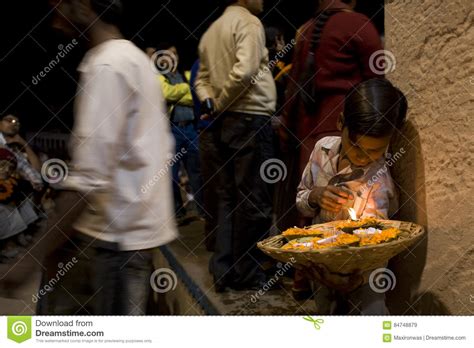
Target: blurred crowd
24	196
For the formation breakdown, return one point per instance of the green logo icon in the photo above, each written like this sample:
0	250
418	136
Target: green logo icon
387	325
316	322
19	328
387	337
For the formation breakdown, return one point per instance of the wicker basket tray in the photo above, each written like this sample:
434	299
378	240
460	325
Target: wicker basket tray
347	259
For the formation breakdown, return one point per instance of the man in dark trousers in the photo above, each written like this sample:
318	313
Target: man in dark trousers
235	79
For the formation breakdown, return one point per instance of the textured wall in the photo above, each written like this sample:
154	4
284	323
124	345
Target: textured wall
433	45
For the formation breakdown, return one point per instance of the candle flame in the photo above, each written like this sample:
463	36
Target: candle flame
352	213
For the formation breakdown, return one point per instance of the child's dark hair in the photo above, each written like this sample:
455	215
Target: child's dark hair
374	108
110	11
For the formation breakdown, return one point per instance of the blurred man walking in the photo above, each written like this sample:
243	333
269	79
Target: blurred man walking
120	142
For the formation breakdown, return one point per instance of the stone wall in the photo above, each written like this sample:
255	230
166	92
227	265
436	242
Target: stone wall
432	42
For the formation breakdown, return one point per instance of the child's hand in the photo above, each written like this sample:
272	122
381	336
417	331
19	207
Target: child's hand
330	198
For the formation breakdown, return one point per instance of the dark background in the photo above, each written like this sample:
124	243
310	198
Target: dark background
28	44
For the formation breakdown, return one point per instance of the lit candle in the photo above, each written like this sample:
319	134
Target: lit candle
352	214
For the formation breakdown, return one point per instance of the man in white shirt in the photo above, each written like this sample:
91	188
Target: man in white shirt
119	181
235	76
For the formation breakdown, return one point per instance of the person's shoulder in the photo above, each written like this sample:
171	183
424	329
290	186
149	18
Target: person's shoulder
304	29
351	15
350	20
120	58
206	38
116	55
326	147
253	20
242	17
328	143
216	25
352	26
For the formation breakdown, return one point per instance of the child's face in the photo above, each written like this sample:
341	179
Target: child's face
363	150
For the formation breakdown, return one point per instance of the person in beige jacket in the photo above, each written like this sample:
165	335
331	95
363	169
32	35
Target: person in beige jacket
238	93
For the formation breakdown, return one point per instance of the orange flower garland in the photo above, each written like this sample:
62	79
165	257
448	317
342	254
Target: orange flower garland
337	237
